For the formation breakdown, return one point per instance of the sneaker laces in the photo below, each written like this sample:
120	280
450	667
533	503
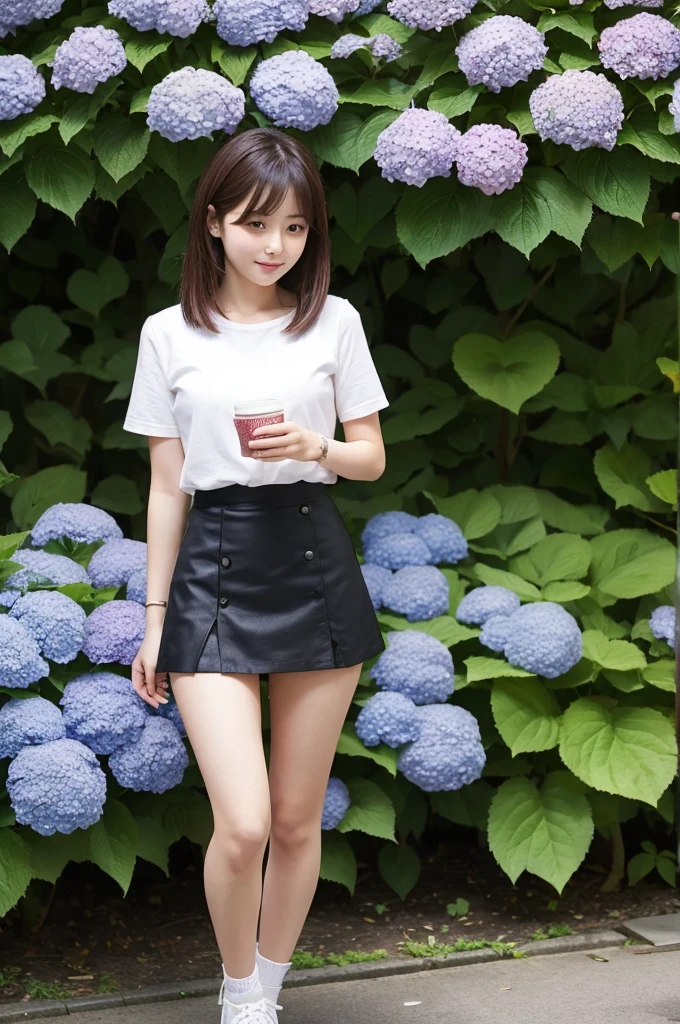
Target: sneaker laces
255	1013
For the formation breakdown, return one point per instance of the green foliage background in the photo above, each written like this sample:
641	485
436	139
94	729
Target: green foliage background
527	343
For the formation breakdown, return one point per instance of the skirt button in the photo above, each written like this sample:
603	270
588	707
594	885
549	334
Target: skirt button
304	509
309	554
224	601
226	562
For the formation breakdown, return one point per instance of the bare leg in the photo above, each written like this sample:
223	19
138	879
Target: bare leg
222	716
307	712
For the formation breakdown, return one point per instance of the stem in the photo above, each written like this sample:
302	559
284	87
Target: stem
621	311
617	871
534	291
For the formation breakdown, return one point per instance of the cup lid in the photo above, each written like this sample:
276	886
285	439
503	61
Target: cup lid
253	406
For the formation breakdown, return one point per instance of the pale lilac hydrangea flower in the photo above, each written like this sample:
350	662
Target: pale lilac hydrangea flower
419	145
136	585
387	47
294	90
366	7
334	10
191	103
22	87
55	621
22	12
114	562
578	109
644	46
176	17
46	568
613	4
674	105
103	710
662	623
500	52
90	55
416	664
242	24
20	661
417	591
75	520
155	762
491	158
346	45
28	722
430	14
336	803
114	632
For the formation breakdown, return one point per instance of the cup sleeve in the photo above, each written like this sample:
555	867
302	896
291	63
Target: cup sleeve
150	407
358	389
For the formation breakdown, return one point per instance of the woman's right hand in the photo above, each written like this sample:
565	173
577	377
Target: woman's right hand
149	684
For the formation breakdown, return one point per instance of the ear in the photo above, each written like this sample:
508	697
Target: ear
211	221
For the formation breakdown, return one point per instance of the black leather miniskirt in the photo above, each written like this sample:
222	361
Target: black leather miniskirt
267	580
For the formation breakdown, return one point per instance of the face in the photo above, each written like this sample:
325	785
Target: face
254	247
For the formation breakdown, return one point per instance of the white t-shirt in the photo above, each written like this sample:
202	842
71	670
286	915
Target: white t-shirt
187	380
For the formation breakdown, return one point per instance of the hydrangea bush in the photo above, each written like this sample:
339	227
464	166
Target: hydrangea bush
500	189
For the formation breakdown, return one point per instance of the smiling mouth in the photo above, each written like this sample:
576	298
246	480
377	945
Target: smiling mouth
263	263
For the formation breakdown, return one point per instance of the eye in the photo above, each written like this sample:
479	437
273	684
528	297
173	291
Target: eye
300	226
254	222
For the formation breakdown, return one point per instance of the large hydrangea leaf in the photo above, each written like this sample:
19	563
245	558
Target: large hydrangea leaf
113	841
630	563
506	372
527	714
370	811
15	869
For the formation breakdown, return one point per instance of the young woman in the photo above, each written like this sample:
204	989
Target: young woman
262	576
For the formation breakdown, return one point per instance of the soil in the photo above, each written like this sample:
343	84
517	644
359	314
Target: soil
93	939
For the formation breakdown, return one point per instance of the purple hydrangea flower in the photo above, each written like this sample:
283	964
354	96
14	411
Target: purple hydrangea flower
500	52
481	603
662	621
448	753
578	109
114	562
336	803
365	7
644	46
491	158
443	537
674	105
136	585
20	660
103	710
75	520
56	787
346	45
27	722
294	90
419	145
429	14
613	4
8	597
386	47
242	24
154	763
387	718
114	632
382	524
22	87
417	665
91	54
334	10
44	567
141	14
176	17
375	578
191	103
417	591
22	12
55	621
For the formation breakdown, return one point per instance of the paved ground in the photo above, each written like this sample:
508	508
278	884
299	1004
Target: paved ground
563	988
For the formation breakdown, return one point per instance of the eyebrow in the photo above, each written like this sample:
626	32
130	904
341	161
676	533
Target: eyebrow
290	215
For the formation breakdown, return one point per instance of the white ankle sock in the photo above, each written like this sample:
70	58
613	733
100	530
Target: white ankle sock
243	990
272	974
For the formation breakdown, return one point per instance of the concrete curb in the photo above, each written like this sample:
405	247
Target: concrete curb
315	976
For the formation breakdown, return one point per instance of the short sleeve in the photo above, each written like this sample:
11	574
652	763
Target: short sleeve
150	406
358	390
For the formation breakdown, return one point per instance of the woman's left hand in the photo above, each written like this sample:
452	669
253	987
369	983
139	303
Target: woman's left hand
287	440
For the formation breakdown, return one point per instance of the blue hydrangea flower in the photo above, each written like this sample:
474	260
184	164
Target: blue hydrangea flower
242	24
176	17
443	537
191	103
491	158
46	568
155	762
136	585
397	550
612	4
346	45
366	7
20	660
55	621
104	711
23	12
417	665
448	753
8	597
429	14
500	52
542	638
386	47
56	787
662	621
644	46
28	721
75	520
481	603
419	145
171	711
382	524
375	578
114	562
387	718
578	109
91	54
334	10
674	105
294	90
336	803
22	87
495	632
417	591
114	632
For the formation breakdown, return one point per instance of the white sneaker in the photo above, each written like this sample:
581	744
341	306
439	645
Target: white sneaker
263	1011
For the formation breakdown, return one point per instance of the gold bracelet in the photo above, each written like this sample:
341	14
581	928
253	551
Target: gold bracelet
164	603
324	448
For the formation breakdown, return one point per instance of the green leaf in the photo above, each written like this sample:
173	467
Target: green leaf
527	714
235	61
466	806
338	863
578	23
665	486
85	108
617	182
120	142
475	512
62	178
522	215
661	674
141	50
400	867
349	139
152	844
113	841
38	492
492	668
641	130
117	494
454	98
440	217
370	811
498	577
561	592
59	426
626	750
559	556
13	133
630	563
15	869
378	92
546	831
17	208
92	290
623	475
506	372
616	241
619	655
349	743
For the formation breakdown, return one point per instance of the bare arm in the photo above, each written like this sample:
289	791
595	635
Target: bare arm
166	521
361	456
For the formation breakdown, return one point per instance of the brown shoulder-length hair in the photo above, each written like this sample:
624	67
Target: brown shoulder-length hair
266	162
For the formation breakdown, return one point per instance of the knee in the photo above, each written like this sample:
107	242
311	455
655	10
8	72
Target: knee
241	842
292	830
